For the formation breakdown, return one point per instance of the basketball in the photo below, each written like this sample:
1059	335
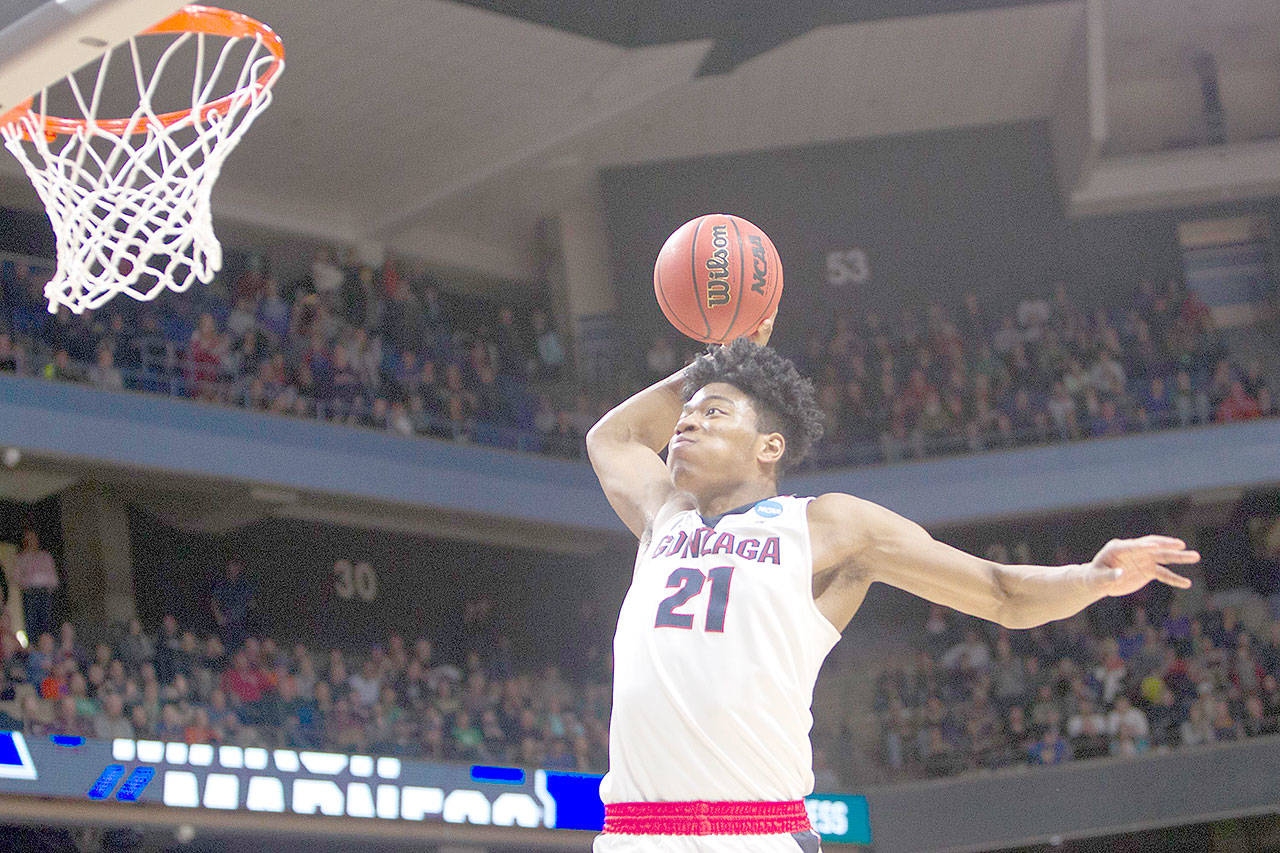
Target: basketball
717	278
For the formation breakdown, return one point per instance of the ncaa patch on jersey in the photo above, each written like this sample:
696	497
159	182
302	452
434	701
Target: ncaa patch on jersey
769	509
15	758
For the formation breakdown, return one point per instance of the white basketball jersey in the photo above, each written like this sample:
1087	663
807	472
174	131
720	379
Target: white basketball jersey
718	646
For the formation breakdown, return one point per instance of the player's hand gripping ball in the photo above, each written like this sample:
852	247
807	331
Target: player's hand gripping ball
717	278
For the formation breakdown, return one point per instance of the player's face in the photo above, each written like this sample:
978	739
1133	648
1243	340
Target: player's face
716	442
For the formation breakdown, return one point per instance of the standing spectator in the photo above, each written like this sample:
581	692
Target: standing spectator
273	312
326	276
1254	382
136	648
232	598
205	352
513	350
551	353
8	355
38	577
661	359
824	778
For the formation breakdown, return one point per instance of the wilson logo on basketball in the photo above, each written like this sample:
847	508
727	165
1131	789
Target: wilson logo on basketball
718	267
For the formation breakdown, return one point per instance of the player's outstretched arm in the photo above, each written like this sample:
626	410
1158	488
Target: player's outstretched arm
881	545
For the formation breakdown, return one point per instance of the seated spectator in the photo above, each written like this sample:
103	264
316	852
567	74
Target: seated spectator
972	653
1225	726
1198	727
142	726
1191	404
1157	407
67	721
1085	716
37	716
245	686
199	730
1128	742
173	725
104	375
1050	749
112	723
1125	717
63	369
1090	739
366	686
1108	422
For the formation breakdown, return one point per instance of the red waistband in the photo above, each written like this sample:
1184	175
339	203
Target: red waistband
706	818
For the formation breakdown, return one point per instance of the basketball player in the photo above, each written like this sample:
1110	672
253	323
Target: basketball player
739	593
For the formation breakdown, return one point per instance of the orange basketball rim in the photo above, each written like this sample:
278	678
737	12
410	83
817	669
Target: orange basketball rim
208	20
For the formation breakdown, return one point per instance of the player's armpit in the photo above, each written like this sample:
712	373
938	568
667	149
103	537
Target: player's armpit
880	545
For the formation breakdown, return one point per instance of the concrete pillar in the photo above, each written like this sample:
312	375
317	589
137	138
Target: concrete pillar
584	290
96	559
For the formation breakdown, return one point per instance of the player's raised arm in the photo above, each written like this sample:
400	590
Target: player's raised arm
883	546
624	444
623	447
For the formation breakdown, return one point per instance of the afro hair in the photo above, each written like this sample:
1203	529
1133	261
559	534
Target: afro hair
784	400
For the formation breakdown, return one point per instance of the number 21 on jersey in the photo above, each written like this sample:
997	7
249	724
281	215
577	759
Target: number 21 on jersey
688	584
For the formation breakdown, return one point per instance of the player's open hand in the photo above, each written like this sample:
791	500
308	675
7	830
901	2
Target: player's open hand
1127	565
761	335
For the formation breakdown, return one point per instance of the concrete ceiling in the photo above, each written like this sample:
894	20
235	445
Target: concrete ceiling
445	131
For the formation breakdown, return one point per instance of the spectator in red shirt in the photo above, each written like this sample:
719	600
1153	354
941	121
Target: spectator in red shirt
1238	406
242	682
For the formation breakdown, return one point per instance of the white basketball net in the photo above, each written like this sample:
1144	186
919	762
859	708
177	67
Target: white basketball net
130	210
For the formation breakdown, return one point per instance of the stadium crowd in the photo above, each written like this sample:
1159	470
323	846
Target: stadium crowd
1049	370
398	699
375	348
979	697
348	344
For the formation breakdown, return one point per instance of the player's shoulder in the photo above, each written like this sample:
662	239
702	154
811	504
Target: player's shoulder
835	508
838	525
